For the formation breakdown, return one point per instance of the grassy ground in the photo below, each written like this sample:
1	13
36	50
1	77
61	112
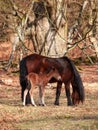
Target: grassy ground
13	116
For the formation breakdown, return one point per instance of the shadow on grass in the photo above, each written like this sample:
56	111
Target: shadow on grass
72	118
59	120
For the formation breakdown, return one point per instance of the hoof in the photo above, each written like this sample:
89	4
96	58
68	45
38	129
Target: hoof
24	104
34	105
56	103
42	105
69	104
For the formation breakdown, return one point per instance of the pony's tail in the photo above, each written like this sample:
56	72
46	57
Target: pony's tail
23	73
78	94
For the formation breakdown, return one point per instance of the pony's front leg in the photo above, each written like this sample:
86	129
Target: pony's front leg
41	95
58	92
31	95
24	97
67	90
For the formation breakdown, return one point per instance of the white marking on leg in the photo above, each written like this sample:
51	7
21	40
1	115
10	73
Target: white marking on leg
31	95
32	101
24	98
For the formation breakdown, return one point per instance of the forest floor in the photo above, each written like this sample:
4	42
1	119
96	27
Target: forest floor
13	116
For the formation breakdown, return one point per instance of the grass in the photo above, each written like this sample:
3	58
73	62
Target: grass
13	116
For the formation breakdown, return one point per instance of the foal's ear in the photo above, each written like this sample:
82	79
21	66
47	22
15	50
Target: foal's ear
45	61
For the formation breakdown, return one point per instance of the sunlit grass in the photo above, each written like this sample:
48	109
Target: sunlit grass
13	116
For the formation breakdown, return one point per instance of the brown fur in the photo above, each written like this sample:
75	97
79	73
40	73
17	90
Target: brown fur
40	80
41	64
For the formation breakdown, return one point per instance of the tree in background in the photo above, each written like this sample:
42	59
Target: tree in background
55	27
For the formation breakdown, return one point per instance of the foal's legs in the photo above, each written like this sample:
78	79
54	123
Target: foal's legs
24	97
41	95
58	92
67	90
31	95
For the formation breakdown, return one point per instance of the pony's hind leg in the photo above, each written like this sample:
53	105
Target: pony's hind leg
41	95
24	97
67	90
31	95
58	92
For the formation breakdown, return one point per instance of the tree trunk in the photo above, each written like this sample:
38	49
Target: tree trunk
94	32
52	38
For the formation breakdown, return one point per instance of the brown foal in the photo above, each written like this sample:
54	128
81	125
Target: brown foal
40	80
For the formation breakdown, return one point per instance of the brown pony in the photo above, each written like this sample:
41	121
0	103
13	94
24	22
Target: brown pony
40	80
37	63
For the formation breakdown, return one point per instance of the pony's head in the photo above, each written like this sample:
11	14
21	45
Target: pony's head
75	98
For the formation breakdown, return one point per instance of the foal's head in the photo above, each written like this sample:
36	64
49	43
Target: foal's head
54	74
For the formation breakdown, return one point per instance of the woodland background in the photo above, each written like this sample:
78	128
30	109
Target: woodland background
52	28
49	27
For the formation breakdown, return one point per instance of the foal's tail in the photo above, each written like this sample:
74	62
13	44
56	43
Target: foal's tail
78	93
